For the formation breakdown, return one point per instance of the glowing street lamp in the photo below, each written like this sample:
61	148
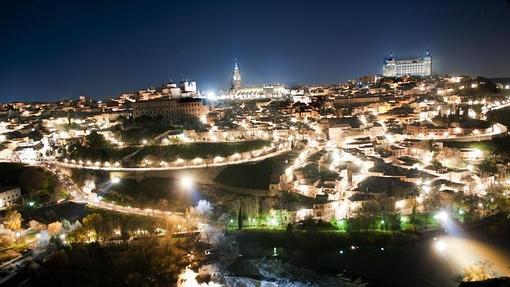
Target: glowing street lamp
186	182
440	246
115	180
442	216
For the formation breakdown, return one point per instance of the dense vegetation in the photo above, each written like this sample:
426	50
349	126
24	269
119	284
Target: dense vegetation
501	116
110	249
135	136
95	148
156	192
253	175
36	184
143	263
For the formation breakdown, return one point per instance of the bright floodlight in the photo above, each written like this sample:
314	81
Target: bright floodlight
440	246
187	182
443	216
115	180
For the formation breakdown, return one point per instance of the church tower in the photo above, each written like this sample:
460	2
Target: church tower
236	77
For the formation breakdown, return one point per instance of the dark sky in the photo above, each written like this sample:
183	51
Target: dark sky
62	49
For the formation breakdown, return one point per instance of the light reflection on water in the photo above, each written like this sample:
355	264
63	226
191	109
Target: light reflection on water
460	253
419	263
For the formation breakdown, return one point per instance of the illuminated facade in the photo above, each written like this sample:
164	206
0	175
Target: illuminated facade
236	78
172	111
259	92
408	67
9	195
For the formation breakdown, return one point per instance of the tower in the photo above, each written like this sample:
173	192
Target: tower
427	64
236	77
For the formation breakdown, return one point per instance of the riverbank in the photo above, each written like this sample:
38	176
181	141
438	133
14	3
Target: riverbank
399	261
321	240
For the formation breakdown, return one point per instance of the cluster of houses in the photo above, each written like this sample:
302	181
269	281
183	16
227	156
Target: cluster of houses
374	174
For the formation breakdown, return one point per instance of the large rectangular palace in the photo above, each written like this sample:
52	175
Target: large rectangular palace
421	66
172	111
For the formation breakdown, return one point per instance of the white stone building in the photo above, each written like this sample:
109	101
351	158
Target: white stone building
421	66
9	195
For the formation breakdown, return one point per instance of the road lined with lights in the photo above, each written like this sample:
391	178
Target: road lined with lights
116	167
497	129
91	199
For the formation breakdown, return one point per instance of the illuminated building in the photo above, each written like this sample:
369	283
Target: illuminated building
238	92
408	67
275	91
172	110
236	78
184	89
9	195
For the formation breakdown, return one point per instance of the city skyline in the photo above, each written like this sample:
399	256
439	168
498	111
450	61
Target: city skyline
255	143
97	49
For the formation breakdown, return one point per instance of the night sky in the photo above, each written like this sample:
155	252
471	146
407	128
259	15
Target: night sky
62	49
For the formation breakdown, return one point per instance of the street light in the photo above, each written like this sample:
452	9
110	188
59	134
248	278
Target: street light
115	180
440	246
186	182
442	215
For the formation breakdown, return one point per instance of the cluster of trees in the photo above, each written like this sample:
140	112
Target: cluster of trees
148	262
160	193
36	184
103	226
501	116
11	224
480	271
101	250
135	136
95	147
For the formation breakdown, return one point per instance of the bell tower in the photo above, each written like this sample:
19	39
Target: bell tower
236	77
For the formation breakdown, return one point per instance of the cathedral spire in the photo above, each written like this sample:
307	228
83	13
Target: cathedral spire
236	77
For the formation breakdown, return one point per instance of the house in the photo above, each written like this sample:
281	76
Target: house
325	210
359	202
9	195
398	151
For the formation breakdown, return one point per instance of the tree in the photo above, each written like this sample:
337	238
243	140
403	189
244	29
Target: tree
488	167
240	218
96	140
39	185
34	224
203	208
479	271
54	228
13	220
436	165
6	240
98	223
66	225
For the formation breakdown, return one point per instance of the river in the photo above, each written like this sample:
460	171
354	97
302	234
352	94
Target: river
428	262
